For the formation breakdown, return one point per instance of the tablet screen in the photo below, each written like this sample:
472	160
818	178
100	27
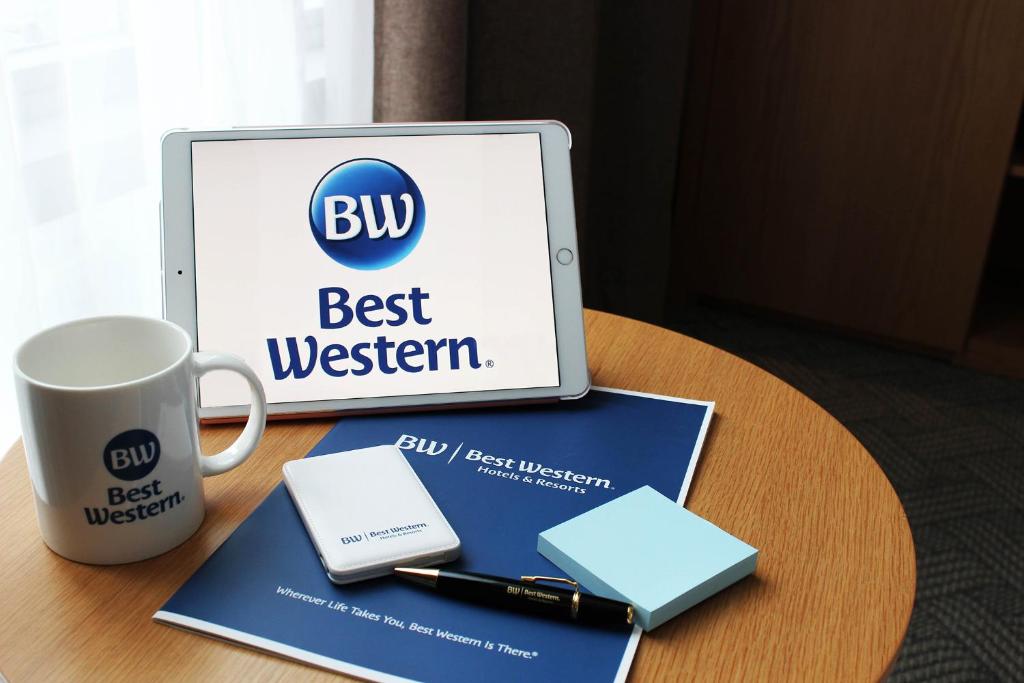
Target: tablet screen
373	266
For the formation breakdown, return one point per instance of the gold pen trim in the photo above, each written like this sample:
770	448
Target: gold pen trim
630	610
557	579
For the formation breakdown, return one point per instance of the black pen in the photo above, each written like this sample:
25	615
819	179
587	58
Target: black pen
524	595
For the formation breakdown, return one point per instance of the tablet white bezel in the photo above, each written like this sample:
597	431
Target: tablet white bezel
178	257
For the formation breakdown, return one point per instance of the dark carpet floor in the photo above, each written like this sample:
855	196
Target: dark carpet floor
951	441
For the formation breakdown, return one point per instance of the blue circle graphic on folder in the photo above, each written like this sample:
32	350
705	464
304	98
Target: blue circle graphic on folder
367	214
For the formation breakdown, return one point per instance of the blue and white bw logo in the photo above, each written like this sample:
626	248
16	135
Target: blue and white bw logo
132	455
366	214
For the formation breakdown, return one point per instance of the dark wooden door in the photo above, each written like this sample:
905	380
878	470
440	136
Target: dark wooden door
842	160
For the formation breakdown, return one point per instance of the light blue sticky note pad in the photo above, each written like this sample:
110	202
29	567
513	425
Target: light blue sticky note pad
644	549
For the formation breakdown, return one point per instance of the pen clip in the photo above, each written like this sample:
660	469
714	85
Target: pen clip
535	579
557	579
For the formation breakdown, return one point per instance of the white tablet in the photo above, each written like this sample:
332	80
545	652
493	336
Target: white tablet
376	267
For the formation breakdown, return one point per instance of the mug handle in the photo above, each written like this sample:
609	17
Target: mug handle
235	454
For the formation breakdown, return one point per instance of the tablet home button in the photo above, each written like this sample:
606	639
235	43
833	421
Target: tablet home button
564	256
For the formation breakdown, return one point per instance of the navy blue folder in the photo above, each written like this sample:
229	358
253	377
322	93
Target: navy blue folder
265	587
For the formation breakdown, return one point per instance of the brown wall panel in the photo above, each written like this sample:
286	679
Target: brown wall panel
845	162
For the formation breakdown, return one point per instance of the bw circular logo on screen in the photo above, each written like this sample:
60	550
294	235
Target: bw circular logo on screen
367	214
132	454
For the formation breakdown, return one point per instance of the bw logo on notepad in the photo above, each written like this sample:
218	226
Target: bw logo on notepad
366	214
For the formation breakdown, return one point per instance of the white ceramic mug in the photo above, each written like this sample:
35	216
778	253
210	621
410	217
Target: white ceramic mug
108	416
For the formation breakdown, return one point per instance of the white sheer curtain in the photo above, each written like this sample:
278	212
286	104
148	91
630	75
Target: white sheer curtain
86	90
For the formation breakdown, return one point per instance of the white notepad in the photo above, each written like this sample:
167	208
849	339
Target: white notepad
367	512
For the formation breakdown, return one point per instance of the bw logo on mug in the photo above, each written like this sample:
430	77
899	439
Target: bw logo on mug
366	214
132	454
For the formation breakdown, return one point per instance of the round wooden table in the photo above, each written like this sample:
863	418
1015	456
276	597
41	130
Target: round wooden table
830	600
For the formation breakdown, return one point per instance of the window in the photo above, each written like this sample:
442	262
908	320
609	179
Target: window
86	91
